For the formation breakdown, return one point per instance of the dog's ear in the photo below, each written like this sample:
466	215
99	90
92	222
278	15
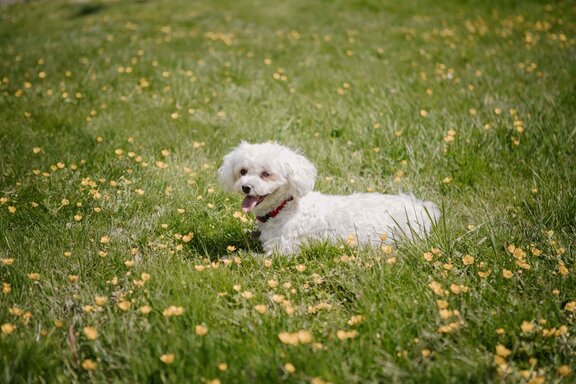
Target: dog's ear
226	171
301	174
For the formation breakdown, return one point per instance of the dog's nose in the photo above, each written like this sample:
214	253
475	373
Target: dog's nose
246	189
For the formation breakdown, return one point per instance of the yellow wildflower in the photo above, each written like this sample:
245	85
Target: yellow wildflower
167	358
89	365
91	333
201	330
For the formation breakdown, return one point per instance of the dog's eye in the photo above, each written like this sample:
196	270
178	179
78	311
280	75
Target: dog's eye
264	174
243	171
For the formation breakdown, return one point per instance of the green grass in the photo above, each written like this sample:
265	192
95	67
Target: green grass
426	96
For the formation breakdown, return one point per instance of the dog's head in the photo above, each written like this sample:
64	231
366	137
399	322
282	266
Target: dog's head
266	174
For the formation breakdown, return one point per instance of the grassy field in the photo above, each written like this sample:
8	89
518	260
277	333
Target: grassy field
122	261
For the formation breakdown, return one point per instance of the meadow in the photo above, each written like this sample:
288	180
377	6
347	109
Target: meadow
122	261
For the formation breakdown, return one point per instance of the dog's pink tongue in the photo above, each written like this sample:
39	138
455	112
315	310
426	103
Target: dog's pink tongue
248	203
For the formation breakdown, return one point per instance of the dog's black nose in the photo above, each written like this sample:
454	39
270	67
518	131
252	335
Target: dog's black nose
246	189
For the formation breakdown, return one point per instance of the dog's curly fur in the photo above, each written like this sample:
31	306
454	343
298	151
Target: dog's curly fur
271	175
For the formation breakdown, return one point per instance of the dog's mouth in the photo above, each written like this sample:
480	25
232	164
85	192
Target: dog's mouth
250	202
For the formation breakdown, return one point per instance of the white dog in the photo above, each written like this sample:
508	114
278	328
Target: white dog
278	186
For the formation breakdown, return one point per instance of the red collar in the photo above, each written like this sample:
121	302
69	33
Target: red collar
275	211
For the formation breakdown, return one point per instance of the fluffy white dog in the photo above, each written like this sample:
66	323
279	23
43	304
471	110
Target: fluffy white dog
278	184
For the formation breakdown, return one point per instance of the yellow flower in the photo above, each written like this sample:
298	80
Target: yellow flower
230	248
277	298
12	209
160	164
7	328
428	256
8	262
357	319
446	314
260	308
387	249
564	370
67	253
201	330
288	338
100	300
247	295
437	288
58	323
36	150
300	267
468	260
73	278
454	326
105	239
305	336
570	306
456	289
535	251
562	269
26	316
272	283
527	326
34	276
89	365
173	311
519	253
167	358
188	237
91	333
426	353
222	366
145	309
288	367
15	311
507	274
6	288
343	335
502	351
88	309
484	274
124	305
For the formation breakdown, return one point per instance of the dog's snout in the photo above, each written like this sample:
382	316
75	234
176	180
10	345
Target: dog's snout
246	189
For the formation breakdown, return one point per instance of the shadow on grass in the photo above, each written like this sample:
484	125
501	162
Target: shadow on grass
84	10
92	8
214	242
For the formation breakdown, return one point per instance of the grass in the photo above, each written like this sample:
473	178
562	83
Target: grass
118	250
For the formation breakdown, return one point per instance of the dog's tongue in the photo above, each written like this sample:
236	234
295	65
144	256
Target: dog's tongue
249	202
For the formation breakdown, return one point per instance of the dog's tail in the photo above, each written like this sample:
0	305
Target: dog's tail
420	217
